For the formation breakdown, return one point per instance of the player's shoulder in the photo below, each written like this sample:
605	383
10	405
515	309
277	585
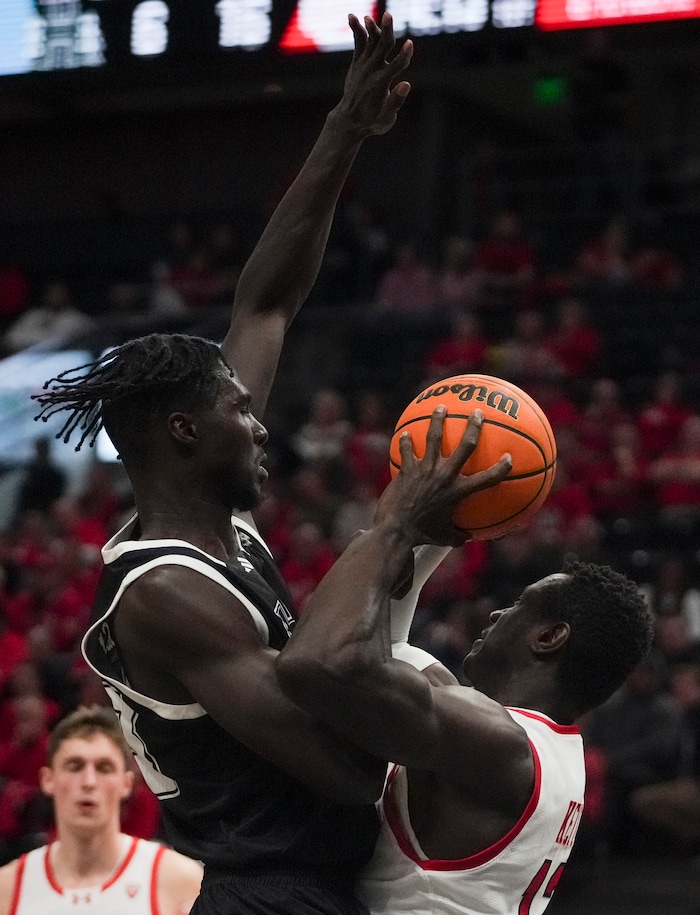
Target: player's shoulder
8	878
179	881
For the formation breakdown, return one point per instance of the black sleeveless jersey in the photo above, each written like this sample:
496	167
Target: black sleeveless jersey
221	803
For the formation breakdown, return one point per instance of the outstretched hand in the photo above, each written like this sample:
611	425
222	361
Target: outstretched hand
425	492
372	96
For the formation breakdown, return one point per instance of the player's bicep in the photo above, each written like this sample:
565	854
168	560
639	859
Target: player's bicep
205	640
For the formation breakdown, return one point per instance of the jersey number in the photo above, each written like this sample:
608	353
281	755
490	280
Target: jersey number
536	884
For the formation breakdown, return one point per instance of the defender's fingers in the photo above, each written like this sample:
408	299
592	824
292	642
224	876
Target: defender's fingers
400	61
494	475
359	34
387	40
433	438
469	440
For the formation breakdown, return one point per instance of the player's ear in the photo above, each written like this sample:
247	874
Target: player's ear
46	780
128	785
551	639
183	428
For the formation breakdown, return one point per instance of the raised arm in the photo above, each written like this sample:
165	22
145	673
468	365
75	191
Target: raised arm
338	663
283	267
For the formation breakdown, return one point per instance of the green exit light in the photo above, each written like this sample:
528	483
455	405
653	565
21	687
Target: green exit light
550	91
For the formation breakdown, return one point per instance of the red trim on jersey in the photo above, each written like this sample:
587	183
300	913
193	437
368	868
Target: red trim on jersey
14	901
53	883
437	864
552	725
154	880
123	866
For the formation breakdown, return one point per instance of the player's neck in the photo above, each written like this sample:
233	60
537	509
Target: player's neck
79	860
199	522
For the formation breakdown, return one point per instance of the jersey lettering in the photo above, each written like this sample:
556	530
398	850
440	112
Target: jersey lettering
536	884
569	827
161	785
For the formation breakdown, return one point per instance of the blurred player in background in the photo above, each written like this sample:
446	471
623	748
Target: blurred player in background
94	867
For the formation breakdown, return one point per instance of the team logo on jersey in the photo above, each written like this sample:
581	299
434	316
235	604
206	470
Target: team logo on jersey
246	564
79	898
105	638
285	616
132	889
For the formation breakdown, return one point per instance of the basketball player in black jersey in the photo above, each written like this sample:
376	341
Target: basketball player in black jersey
191	612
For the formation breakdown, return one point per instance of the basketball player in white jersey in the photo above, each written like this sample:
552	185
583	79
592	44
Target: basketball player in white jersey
480	812
93	868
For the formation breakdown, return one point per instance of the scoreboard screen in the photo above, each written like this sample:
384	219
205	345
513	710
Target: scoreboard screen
571	14
44	35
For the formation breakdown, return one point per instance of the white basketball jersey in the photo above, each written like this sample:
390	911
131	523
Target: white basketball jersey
517	875
131	890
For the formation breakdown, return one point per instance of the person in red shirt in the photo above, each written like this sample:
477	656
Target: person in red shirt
676	477
507	263
661	417
463	350
575	344
310	557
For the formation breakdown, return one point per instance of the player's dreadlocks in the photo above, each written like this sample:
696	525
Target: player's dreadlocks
129	384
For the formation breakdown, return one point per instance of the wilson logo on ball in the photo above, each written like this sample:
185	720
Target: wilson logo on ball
506	403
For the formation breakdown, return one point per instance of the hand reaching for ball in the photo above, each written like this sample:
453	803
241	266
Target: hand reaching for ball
424	493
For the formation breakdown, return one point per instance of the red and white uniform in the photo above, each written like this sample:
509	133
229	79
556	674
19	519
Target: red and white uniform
131	890
516	875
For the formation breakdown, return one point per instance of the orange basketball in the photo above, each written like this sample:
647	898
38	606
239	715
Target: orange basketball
513	422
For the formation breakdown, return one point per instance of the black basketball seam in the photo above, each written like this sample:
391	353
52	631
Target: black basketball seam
487	422
484	527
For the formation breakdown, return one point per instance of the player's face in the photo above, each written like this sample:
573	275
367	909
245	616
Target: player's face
88	780
233	447
503	647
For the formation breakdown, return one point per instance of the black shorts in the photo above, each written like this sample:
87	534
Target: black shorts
224	893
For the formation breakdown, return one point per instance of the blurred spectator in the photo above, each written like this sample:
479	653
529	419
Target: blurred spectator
14	293
458	282
196	281
606	259
637	731
55	318
604	410
310	557
675	475
672	808
507	262
368	248
407	289
575	344
43	481
355	513
462	350
661	417
313	499
225	263
23	817
522	355
656	267
13	651
367	445
619	485
671	591
567	519
322	438
98	498
164	300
